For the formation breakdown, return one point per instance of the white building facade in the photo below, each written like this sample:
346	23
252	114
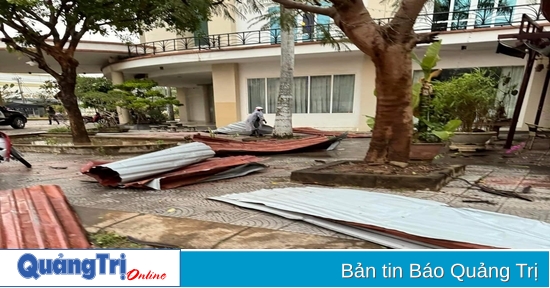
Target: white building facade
221	77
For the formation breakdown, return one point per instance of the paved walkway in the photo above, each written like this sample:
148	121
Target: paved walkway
190	201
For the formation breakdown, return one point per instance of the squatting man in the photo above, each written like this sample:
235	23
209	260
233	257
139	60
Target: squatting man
255	121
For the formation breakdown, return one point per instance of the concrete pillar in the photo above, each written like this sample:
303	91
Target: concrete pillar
180	96
123	115
367	102
225	80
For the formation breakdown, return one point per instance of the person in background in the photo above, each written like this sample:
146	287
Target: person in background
51	115
255	121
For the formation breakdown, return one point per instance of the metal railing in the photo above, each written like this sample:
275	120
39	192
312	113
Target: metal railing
432	22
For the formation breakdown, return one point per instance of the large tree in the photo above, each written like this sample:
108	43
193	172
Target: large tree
54	28
389	46
282	127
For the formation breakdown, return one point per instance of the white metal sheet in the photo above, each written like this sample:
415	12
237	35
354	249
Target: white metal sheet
364	234
149	164
409	215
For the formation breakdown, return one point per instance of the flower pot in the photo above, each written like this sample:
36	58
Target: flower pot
472	138
425	151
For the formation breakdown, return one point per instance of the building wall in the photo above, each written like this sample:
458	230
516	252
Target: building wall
197	104
340	65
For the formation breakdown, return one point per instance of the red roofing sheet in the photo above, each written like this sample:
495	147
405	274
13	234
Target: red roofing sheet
197	172
39	217
188	175
313	131
230	146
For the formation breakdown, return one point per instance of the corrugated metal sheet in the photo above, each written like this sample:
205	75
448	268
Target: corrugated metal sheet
420	220
389	241
223	146
39	217
199	172
240	128
313	131
143	166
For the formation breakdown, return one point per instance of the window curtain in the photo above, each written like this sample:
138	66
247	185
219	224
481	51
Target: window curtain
515	75
272	94
342	95
256	93
320	94
300	95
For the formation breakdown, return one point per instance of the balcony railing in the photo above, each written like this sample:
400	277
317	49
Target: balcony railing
434	22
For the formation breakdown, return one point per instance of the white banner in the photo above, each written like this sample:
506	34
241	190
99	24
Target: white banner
149	268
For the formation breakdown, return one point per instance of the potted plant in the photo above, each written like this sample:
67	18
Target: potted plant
471	98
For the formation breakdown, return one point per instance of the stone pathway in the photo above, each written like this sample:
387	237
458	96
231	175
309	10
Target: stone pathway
191	202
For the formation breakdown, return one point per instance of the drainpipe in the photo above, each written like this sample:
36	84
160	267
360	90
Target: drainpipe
521	98
543	95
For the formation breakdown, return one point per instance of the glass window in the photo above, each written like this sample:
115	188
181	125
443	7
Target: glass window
342	95
320	94
256	93
272	95
301	88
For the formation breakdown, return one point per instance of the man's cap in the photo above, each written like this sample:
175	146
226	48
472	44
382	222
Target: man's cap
259	108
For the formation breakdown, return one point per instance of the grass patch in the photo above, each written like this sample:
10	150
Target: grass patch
67	129
107	240
64	129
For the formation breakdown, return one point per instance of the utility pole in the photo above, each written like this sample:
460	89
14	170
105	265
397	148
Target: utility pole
18	79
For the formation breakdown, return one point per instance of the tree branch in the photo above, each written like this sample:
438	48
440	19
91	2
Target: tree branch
37	56
290	4
405	18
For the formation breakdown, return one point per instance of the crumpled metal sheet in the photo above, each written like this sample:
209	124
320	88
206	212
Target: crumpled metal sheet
39	217
419	220
212	169
144	166
239	128
224	146
313	131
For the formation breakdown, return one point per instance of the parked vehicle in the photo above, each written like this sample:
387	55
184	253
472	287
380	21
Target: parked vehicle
7	151
14	118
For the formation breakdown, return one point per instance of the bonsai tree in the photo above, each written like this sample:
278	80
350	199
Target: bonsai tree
93	92
470	97
143	98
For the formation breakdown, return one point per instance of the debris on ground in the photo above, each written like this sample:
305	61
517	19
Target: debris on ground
397	221
313	131
224	146
147	165
171	168
39	217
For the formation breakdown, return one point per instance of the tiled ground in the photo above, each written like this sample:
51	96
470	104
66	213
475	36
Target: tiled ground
191	201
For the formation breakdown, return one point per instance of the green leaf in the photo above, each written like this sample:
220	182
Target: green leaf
416	94
452	125
374	92
370	122
430	58
443	135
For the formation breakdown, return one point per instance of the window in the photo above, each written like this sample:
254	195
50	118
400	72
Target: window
256	93
312	94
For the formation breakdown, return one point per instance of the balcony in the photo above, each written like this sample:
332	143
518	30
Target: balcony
460	20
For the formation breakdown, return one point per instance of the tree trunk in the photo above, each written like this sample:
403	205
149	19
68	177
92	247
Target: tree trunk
68	98
283	118
393	128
